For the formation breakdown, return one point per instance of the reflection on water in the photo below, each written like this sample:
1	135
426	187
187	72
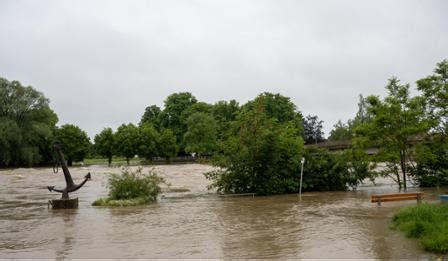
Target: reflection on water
201	225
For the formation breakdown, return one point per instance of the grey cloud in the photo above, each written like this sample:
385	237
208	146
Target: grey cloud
102	62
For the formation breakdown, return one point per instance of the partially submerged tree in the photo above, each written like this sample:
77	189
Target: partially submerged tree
26	125
201	132
395	122
261	156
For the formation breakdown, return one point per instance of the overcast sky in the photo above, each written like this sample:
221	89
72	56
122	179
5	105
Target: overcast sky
102	62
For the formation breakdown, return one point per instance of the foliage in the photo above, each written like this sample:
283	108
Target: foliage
346	131
263	156
435	92
313	130
432	154
147	142
324	171
166	144
152	116
105	144
126	141
173	116
224	113
75	143
427	222
340	132
201	134
395	121
431	157
26	124
131	188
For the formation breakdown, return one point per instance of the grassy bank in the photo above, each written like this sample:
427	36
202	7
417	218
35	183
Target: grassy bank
428	223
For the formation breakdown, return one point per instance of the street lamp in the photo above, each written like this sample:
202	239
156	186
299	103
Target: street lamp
301	177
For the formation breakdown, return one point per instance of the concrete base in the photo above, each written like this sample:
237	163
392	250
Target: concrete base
64	203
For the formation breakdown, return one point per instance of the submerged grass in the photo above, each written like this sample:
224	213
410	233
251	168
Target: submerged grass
427	222
131	188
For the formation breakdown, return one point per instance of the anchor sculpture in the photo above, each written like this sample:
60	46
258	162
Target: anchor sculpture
65	201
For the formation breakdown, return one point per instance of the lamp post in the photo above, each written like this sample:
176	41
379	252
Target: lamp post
301	177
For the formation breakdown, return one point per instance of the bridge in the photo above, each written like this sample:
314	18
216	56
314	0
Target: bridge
340	145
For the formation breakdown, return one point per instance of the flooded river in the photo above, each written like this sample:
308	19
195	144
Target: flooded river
195	224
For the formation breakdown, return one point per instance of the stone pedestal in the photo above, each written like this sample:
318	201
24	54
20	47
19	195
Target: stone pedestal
64	203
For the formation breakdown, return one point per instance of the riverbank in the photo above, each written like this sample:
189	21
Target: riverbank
428	223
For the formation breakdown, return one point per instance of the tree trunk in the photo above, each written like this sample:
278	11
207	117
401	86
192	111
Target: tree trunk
69	162
127	161
109	161
403	167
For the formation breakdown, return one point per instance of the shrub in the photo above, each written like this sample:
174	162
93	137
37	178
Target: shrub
131	188
427	222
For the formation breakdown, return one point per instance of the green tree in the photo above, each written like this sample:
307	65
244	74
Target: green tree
395	121
432	154
127	141
152	116
74	142
313	130
201	134
105	144
173	116
147	143
224	113
261	156
435	93
166	144
27	124
340	131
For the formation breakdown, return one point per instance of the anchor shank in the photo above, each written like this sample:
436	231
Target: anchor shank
67	176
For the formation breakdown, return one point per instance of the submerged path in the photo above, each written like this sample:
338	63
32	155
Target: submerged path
195	224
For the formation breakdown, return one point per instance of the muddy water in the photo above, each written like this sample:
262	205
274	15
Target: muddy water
195	224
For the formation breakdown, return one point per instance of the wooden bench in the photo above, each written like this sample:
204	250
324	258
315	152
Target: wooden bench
378	198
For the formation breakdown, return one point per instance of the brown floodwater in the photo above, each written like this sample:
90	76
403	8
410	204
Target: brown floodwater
197	223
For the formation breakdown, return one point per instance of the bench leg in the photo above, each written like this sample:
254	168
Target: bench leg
378	203
419	199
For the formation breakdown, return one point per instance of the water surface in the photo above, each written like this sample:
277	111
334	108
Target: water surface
195	224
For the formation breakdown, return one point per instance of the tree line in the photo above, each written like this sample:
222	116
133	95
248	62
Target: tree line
257	145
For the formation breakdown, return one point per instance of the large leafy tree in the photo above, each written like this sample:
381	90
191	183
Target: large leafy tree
26	125
173	116
224	113
201	134
313	132
395	123
261	156
152	116
435	92
147	142
127	141
105	145
432	153
74	142
166	144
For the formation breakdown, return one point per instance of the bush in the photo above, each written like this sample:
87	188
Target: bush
427	222
131	188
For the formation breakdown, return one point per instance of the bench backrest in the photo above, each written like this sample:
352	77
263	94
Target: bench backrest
397	196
